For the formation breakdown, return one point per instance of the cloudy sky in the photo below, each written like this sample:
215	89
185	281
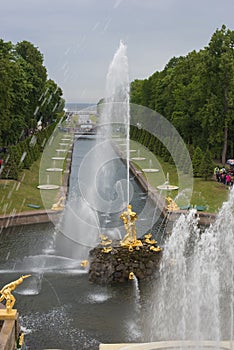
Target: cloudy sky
78	38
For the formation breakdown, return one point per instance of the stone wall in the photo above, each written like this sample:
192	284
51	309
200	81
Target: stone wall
28	218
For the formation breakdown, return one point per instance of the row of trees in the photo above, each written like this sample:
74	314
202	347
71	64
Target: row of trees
202	162
196	94
26	93
24	153
30	106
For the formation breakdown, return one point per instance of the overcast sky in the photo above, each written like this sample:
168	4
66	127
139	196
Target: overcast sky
78	38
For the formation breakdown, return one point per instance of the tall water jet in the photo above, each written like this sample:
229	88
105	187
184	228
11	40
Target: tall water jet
99	190
195	292
115	116
113	123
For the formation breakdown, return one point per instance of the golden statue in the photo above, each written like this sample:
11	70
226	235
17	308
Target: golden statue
155	249
20	340
106	250
106	243
59	205
129	218
148	240
84	263
7	295
103	237
172	206
131	275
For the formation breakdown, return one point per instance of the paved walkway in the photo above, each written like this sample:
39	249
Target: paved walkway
166	345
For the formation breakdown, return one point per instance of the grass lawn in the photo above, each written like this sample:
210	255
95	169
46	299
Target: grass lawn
16	195
205	193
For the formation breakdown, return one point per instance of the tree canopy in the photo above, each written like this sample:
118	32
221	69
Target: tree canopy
26	93
196	94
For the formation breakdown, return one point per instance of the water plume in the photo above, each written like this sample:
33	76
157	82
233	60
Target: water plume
195	294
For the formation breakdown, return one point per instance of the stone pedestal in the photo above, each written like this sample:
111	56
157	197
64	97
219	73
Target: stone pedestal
116	265
8	315
9	328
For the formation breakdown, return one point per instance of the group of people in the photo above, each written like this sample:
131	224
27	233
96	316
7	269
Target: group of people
224	176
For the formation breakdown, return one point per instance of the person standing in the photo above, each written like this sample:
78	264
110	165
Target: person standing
217	173
228	179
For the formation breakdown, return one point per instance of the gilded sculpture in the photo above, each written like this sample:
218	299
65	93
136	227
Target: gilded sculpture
59	205
129	218
172	206
106	243
6	292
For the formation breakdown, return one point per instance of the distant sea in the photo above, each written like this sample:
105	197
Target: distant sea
78	106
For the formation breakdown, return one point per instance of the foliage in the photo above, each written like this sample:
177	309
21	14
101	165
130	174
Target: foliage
207	165
196	93
26	95
197	160
24	153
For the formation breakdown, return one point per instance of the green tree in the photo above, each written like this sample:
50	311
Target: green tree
196	94
32	61
136	89
206	165
219	68
196	161
25	93
51	102
5	88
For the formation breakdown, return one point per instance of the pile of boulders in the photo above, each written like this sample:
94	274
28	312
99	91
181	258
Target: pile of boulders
116	264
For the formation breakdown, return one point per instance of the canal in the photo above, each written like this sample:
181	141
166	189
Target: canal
59	308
